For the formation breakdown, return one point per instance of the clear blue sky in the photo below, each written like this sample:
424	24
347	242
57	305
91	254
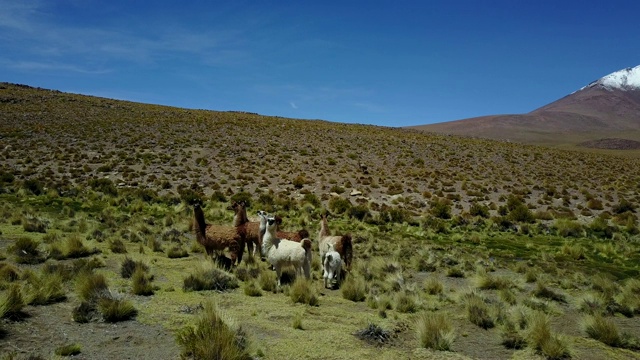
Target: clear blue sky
393	63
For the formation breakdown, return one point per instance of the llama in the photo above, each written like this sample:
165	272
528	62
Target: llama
216	237
249	231
340	243
332	267
282	252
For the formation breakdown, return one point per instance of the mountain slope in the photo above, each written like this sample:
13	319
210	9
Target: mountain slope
608	107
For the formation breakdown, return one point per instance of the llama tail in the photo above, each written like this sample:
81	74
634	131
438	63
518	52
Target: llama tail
347	248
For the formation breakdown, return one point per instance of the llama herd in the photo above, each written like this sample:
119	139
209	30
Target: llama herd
278	248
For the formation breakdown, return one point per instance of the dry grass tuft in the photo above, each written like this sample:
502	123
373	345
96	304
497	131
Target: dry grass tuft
213	337
434	331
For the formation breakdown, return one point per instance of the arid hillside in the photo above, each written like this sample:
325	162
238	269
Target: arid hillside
66	140
120	223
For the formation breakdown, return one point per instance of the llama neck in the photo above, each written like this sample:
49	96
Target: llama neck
240	217
324	228
269	240
199	222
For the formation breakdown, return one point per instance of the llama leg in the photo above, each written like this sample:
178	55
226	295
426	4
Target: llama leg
250	249
278	273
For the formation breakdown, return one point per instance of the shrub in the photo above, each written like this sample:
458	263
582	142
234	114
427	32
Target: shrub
489	282
478	312
440	208
296	323
68	350
433	286
302	292
359	212
177	252
623	206
568	228
8	273
34	186
299	182
542	291
34	224
268	281
12	303
521	213
213	337
511	337
75	248
90	286
104	185
480	210
115	308
250	288
405	303
117	246
374	335
242	197
129	266
339	205
26	251
45	289
540	338
354	289
141	282
434	331
209	277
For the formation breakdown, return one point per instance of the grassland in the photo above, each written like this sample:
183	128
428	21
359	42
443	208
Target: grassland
464	248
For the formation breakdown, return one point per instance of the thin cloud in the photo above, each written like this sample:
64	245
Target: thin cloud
43	66
293	105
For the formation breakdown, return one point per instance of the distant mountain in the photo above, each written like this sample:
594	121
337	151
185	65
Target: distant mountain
606	108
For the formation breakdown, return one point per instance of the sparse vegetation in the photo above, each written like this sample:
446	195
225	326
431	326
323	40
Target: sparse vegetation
432	218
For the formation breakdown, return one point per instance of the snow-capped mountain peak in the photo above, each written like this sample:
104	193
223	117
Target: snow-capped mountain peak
624	79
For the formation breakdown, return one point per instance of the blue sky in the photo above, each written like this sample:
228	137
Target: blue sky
392	63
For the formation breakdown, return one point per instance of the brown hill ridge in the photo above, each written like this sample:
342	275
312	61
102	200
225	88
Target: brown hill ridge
606	108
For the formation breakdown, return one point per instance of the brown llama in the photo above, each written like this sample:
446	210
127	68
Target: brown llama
249	231
340	243
216	238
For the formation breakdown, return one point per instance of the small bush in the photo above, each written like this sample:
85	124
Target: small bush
296	323
75	248
339	205
91	286
129	266
354	289
213	337
489	282
433	286
26	251
209	277
117	246
480	210
478	312
12	303
540	338
268	281
374	335
68	350
302	292
440	208
114	308
177	252
250	288
511	337
8	273
45	289
141	282
434	331
542	291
